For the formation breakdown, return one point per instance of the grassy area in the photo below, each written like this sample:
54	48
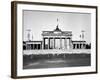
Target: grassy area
50	60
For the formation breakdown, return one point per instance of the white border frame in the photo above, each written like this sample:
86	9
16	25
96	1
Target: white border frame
50	71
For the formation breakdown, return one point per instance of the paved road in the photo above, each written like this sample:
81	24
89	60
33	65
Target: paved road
56	63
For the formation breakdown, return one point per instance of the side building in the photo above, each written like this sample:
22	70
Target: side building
32	45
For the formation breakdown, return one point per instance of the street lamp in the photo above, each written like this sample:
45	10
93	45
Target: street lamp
28	35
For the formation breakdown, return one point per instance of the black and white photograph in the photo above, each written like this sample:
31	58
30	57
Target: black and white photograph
56	39
53	39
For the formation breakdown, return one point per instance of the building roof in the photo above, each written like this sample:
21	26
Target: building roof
78	41
57	32
30	41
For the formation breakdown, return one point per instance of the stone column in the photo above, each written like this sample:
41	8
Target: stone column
54	43
43	43
37	46
65	42
85	46
69	43
40	46
79	46
29	46
33	46
26	46
75	46
68	46
60	43
48	43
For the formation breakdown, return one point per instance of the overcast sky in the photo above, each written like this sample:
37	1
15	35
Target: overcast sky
39	21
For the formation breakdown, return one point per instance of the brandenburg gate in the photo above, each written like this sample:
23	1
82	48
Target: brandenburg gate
57	39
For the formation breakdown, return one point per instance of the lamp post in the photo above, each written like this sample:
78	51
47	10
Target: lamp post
28	35
83	34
